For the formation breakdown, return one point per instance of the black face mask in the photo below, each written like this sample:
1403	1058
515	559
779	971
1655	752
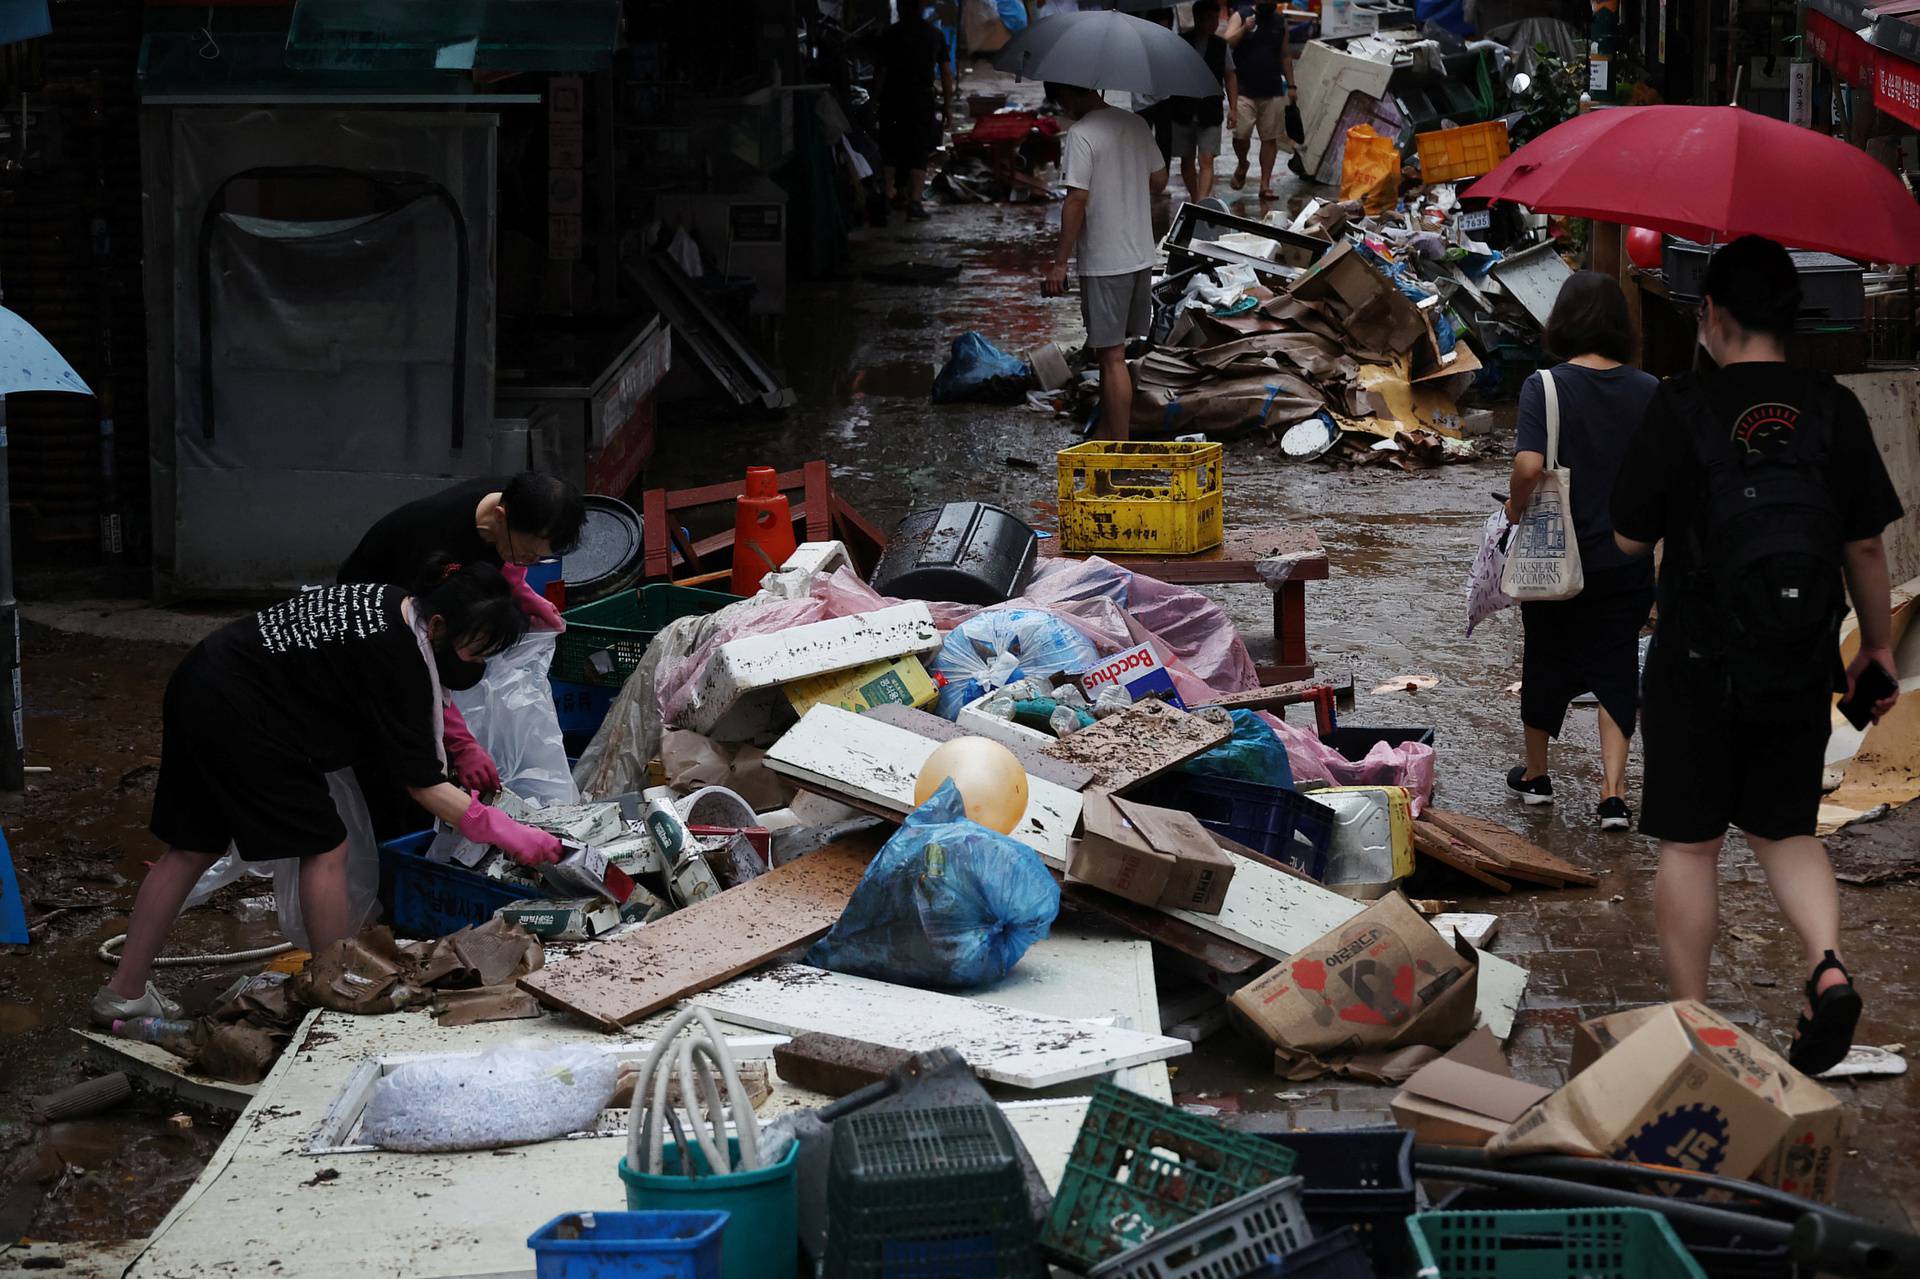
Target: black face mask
456	673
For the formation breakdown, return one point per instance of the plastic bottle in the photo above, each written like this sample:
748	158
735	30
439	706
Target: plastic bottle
174	1036
1000	705
1064	720
669	833
1070	695
1112	700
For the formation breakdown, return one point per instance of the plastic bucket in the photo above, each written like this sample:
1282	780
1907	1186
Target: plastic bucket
763	1235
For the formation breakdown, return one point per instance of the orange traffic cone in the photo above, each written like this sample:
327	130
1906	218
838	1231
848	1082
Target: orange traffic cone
762	530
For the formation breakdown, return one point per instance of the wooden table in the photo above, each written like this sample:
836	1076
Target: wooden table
1282	557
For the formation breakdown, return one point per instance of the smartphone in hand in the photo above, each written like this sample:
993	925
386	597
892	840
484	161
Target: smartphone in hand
1869	687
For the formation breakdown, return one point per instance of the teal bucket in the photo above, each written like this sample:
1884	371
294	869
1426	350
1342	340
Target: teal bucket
763	1235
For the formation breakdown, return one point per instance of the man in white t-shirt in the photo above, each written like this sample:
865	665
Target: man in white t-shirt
1114	168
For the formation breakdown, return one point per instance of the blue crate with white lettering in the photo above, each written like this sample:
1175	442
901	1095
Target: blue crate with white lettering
419	898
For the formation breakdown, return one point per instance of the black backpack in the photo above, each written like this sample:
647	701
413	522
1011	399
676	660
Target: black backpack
1763	597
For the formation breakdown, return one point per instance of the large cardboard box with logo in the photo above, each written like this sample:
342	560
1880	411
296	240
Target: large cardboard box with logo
1678	1084
1807	1159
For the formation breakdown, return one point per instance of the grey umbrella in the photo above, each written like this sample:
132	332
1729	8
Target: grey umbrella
1108	50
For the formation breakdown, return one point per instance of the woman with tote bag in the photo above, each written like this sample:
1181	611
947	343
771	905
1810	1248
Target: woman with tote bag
1582	601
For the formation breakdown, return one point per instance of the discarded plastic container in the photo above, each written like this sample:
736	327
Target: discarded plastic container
1360	1178
1282	823
1353	741
174	1036
629	1245
1372	841
762	530
1585	1243
1220	1241
762	1204
1332	1256
963	552
419	898
1140	498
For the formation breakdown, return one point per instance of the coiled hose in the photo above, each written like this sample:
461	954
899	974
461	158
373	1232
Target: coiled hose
701	1062
109	953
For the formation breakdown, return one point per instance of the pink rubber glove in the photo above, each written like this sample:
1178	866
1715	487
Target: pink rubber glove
529	847
536	606
473	769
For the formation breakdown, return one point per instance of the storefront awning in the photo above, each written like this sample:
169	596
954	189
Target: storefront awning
1896	87
1849	57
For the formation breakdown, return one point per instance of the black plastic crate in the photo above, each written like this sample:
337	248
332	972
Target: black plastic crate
927	1194
1338	1255
1283	824
1354	742
1359	1177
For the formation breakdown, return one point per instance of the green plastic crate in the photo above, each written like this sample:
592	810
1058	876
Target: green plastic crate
1586	1243
622	626
1140	1166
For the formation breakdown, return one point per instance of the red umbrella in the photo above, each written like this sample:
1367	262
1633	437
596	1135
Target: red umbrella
1713	173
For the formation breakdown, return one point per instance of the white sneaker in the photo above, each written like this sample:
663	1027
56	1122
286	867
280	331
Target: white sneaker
109	1007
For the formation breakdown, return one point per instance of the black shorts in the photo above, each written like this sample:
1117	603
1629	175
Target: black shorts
907	141
1588	644
228	778
1706	770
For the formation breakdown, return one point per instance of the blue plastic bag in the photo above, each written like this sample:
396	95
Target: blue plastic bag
978	371
1012	14
1254	753
1001	645
947	904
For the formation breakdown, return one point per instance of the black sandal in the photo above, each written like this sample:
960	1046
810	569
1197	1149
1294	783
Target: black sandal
1821	1041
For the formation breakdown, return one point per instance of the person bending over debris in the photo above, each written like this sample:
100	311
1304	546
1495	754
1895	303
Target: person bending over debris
1113	168
263	709
509	523
1590	643
1767	487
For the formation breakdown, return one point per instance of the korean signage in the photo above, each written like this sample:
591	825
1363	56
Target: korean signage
1850	57
1896	87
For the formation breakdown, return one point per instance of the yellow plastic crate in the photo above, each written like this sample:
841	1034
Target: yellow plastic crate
1148	497
1447	155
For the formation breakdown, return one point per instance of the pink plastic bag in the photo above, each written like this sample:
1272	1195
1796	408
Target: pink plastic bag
1484	596
1312	760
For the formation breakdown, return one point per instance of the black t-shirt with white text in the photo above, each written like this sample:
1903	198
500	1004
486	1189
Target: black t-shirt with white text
1757	406
337	673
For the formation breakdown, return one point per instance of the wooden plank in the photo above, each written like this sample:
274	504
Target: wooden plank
1271	698
1025	1050
1520	858
1037	762
1139	744
1448	851
623	980
1160	928
874	766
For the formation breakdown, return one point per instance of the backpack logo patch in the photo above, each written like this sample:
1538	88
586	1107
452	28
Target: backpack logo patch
1766	427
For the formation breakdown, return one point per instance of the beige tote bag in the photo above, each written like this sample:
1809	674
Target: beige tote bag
1543	555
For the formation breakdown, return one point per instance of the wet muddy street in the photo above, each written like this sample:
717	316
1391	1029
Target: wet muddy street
862	356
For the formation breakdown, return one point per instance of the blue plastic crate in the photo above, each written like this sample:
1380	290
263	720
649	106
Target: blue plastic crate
419	898
581	707
1283	824
629	1245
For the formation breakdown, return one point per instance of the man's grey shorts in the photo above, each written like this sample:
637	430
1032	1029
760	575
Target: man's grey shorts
1116	307
1190	139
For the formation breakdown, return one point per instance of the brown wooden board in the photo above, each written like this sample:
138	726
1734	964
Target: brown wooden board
1519	858
1448	851
1032	758
1137	745
1204	948
1273	697
696	948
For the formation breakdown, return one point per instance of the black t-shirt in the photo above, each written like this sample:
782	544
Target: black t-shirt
1600	409
1259	59
337	672
1657	494
908	56
401	543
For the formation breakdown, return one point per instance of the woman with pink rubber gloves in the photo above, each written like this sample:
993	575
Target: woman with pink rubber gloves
508	522
263	709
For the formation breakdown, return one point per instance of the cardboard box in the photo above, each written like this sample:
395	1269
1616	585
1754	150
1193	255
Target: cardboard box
1135	669
1467	1097
577	919
1154	856
1685	1088
901	681
1807	1159
1382	981
1382	318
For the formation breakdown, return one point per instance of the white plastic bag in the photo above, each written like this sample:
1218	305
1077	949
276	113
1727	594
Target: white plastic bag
1543	556
511	714
506	1096
1484	596
363	868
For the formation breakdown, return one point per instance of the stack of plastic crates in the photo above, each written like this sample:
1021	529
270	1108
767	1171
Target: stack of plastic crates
935	1193
1235	1239
1358	1177
1584	1243
1140	1167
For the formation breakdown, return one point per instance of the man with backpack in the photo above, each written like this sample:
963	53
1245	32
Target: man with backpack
1764	482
